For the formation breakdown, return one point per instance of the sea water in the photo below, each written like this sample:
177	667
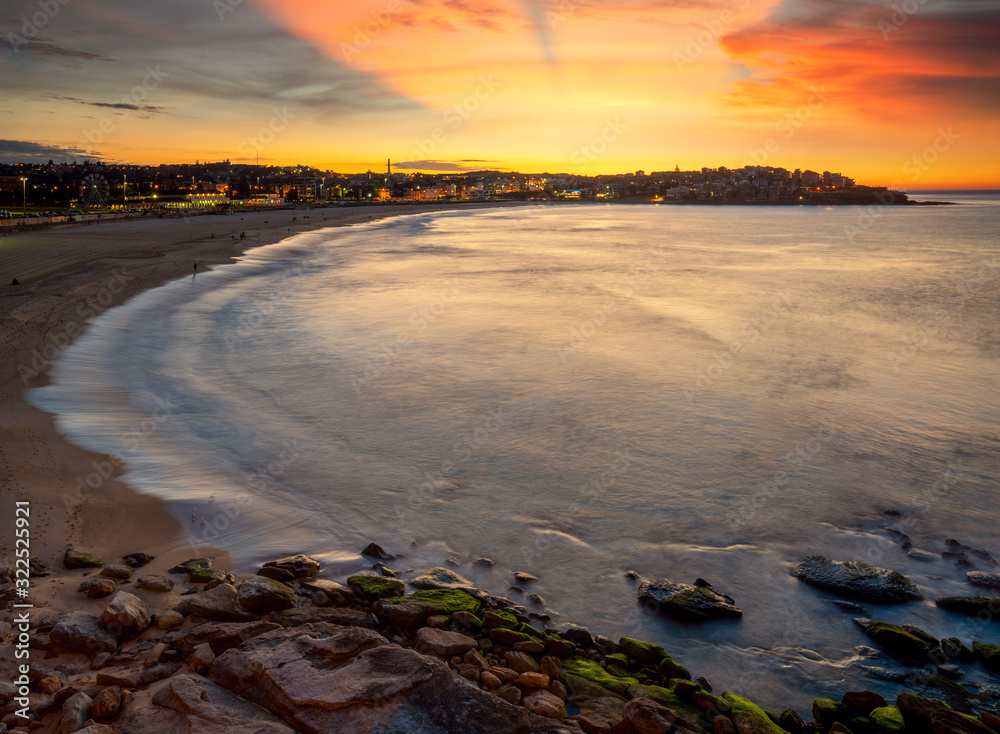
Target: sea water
581	391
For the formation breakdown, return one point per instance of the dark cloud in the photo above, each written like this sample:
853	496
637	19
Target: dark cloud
25	151
429	165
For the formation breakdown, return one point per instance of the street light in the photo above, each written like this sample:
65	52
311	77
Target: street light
24	197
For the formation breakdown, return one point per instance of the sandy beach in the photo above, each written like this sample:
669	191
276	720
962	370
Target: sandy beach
67	277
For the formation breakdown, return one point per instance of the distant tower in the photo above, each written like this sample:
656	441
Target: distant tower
388	166
677	168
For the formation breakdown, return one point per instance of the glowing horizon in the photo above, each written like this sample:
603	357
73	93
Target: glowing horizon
888	98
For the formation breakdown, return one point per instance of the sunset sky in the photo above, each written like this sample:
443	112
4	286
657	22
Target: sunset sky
895	92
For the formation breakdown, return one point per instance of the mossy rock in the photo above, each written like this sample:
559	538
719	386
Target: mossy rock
664	696
955	649
790	721
556	645
670	668
448	601
500	620
74	559
508	637
839	728
826	711
374	588
887	720
895	640
618	665
334	615
527	629
593	672
748	716
642	652
988	653
469	621
204	574
971	605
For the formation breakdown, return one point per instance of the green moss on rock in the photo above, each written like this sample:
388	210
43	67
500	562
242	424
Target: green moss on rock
988	653
895	640
826	711
593	672
448	601
670	668
500	620
887	720
374	588
748	716
74	559
642	652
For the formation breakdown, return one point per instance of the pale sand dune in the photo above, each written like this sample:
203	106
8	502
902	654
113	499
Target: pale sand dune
67	275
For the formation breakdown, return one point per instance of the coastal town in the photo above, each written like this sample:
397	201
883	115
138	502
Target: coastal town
38	190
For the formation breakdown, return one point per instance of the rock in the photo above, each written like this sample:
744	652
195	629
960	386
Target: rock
220	604
533	680
261	594
49	685
748	717
169	620
888	720
275	573
412	611
521	662
697	602
545	704
506	675
917	710
384	570
191	703
558	689
537	600
500	620
861	580
469	672
192	565
201	658
988	654
990	718
982	578
921	555
121	573
98	588
503	636
510	694
332	615
329	679
137	560
374	588
723	725
82	632
74	559
648	716
483	563
790	721
158	672
97	729
440	578
468	620
952	722
955	649
642	652
850	606
301	566
551	667
100	660
326	587
524	578
155	583
862	703
373	550
579	636
971	605
75	712
442	643
895	640
557	646
221	636
106	703
490	680
127	613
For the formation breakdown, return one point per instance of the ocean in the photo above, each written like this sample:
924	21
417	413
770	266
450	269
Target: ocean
580	391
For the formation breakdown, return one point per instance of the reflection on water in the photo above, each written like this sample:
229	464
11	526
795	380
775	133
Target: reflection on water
577	392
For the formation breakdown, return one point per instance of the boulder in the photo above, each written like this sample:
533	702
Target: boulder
118	572
331	615
860	580
887	720
75	559
324	678
442	643
192	703
862	703
169	620
971	605
982	578
154	582
648	716
748	717
440	578
300	566
261	594
988	654
98	588
82	632
917	710
220	604
895	640
412	611
75	712
137	560
192	565
278	574
374	588
545	704
692	602
127	613
373	550
952	722
221	636
201	658
106	703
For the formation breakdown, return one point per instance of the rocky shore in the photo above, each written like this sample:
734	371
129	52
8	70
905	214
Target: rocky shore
195	648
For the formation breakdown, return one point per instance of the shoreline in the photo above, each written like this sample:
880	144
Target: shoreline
67	277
